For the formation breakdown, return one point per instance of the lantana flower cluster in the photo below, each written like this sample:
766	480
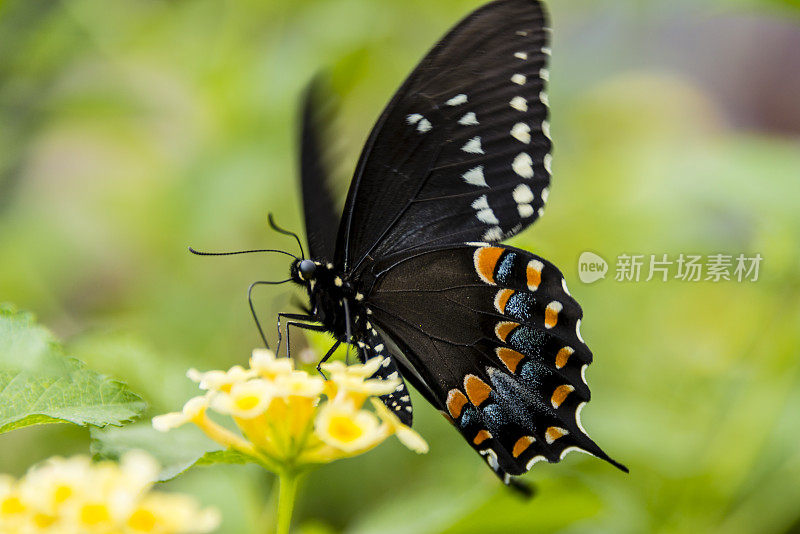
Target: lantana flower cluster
289	419
76	496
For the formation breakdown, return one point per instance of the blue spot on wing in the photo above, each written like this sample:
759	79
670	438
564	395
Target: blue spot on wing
520	306
505	270
529	341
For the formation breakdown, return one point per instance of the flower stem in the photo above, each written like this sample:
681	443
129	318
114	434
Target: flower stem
288	482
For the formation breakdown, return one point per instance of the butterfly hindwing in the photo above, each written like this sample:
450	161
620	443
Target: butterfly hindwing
495	334
398	401
462	152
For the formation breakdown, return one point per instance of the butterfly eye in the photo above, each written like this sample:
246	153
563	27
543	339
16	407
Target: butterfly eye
307	269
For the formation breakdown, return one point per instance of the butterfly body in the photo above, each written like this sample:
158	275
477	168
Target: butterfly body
416	275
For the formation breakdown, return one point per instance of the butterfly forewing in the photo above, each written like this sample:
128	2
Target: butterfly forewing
321	212
462	153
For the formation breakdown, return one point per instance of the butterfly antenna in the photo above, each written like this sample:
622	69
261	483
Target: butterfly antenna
199	253
286	232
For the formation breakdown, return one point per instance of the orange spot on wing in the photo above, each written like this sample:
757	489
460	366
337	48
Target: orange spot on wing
560	394
501	299
455	403
551	314
522	445
477	390
485	261
563	356
510	358
553	433
482	436
503	329
534	273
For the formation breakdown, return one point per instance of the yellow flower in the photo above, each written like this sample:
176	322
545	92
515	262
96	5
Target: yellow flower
341	425
267	365
13	509
246	400
405	434
353	382
289	420
164	512
56	484
220	380
299	384
76	496
194	409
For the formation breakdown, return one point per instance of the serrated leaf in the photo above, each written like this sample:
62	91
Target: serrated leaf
40	384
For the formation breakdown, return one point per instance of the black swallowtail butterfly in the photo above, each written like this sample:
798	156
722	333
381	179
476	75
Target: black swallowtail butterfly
458	161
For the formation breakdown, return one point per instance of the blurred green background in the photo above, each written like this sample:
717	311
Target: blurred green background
131	129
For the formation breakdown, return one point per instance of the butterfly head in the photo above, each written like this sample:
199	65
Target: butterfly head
304	271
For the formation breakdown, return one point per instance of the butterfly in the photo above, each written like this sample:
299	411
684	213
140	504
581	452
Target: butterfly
413	271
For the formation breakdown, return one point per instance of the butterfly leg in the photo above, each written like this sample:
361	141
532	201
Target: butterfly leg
295	316
327	357
304	326
348	329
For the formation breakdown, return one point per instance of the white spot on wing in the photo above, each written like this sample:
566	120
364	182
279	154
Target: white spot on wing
583	373
519	103
522	33
488	217
485	213
578	417
546	129
475	177
548	163
521	132
578	330
469	119
457	100
544	98
573	449
525	210
564	287
482	203
544	74
523	194
533	461
491	458
493	234
424	126
547	51
545	194
473	146
521	55
523	165
519	79
413	118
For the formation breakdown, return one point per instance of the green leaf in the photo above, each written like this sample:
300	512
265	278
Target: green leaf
177	451
40	384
